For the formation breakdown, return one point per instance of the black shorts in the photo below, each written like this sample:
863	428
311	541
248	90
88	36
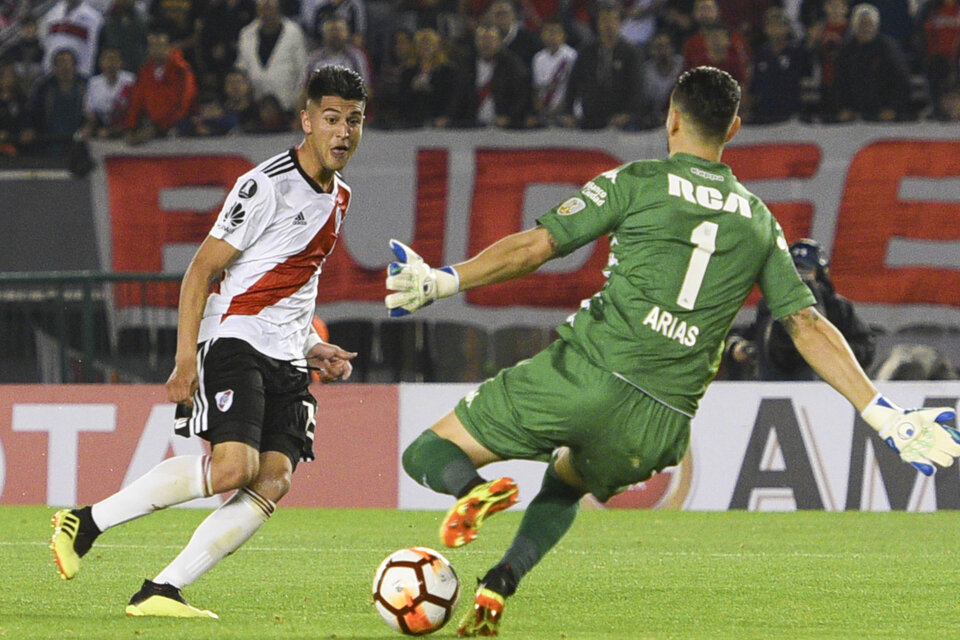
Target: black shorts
245	396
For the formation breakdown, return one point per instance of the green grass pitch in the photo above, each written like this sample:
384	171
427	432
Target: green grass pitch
617	575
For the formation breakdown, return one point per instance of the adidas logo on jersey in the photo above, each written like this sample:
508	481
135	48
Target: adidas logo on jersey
300	219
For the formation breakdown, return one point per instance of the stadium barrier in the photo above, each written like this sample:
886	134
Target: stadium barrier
755	446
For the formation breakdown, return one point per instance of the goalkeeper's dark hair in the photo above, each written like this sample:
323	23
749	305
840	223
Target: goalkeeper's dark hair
710	97
336	80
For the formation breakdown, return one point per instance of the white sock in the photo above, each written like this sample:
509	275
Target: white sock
173	481
219	535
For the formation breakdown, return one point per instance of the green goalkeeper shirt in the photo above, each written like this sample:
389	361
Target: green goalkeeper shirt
687	244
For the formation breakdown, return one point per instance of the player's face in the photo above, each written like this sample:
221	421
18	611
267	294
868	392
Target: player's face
333	127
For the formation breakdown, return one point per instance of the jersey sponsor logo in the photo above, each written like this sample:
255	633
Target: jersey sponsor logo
300	219
706	174
707	197
571	206
671	326
232	218
594	193
224	400
611	175
249	189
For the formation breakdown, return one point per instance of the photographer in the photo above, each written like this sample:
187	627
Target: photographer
764	351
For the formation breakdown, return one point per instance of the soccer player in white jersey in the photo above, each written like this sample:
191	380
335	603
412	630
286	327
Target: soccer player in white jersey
243	352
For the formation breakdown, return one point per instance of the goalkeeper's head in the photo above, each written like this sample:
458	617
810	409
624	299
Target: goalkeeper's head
708	99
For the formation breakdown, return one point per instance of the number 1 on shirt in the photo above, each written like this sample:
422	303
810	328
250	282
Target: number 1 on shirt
704	238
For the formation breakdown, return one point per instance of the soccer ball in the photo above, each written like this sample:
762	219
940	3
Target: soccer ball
415	590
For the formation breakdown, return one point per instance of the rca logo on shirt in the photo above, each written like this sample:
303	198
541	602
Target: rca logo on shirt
707	197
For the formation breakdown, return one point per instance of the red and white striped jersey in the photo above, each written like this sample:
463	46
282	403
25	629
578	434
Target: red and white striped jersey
285	227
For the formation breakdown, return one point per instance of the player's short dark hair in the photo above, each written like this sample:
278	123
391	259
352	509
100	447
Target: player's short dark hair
710	97
336	80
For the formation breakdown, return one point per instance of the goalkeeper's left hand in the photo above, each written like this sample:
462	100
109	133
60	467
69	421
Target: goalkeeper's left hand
918	435
416	284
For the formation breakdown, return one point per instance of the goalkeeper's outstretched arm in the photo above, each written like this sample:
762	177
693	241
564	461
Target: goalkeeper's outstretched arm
508	258
826	350
416	284
921	437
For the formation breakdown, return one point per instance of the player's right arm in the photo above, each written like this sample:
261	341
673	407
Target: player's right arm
213	256
921	437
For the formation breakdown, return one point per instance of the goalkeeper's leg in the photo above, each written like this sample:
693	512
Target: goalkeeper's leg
445	458
546	520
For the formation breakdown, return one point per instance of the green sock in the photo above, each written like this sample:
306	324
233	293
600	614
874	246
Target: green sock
440	465
547	518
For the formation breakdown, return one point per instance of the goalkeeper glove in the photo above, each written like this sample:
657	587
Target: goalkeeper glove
416	284
918	435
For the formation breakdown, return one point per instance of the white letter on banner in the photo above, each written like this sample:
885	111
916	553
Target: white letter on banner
157	438
63	423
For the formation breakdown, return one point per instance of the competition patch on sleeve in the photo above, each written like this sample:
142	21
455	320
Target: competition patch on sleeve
571	206
249	189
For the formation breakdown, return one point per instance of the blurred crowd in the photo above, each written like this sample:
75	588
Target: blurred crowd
141	69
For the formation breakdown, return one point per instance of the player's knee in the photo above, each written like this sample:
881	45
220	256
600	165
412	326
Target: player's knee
233	475
273	485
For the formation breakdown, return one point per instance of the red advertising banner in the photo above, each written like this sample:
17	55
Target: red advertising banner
65	445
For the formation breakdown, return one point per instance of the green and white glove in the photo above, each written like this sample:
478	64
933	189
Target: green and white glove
415	282
918	435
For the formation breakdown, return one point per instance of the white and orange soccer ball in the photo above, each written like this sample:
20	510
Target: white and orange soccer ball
415	590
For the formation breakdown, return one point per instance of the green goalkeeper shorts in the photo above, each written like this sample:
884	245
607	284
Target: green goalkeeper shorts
617	434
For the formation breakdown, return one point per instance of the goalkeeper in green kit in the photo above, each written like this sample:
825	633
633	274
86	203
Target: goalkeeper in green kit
609	403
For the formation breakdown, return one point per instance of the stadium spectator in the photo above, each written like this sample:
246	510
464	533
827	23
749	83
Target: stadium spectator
430	90
746	17
778	68
764	350
388	80
676	18
338	49
871	72
220	25
314	13
552	67
12	12
74	25
181	20
108	96
640	22
939	22
603	89
26	54
707	13
497	86
824	40
896	21
719	53
658	75
209	119
56	107
238	100
246	388
515	36
165	91
13	110
125	29
273	53
271	116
